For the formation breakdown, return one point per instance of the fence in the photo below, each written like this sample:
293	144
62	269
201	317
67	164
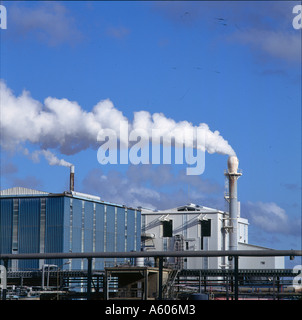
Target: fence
160	255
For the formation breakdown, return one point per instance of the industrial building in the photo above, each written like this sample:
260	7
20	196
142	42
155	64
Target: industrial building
32	221
195	227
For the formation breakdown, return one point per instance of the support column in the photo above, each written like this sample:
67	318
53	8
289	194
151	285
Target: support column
160	279
146	285
89	278
236	277
199	281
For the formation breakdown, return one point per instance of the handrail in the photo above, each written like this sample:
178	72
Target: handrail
159	254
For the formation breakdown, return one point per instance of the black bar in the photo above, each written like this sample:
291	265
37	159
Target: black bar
227	287
199	281
89	278
105	286
210	253
236	277
160	279
278	286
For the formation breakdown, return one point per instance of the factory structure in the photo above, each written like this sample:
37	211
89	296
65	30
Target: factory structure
33	221
193	227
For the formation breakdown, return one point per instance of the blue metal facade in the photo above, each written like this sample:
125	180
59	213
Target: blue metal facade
6	222
28	231
54	228
61	223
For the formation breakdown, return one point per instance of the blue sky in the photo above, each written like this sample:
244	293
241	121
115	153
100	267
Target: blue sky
233	66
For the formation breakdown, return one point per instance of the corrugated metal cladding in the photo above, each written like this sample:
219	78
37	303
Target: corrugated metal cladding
54	228
29	231
6	222
45	223
17	191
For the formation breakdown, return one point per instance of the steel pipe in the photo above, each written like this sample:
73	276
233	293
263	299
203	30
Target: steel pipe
210	253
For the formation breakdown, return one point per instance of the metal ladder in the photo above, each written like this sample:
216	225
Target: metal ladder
168	288
179	246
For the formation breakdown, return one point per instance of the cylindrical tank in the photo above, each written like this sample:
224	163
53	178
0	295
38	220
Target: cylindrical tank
233	163
140	261
199	296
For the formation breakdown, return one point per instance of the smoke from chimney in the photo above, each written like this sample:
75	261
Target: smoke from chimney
52	125
49	156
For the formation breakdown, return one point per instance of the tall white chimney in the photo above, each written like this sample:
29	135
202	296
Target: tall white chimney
232	175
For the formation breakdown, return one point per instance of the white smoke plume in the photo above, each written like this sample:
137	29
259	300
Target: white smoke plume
63	125
50	157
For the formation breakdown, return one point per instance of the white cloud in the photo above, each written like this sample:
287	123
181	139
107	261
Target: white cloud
27	182
278	44
269	217
118	32
263	26
49	22
151	186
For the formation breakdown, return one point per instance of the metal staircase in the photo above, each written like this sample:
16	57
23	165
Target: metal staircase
179	246
168	288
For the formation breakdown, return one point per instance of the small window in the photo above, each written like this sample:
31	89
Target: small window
205	228
167	228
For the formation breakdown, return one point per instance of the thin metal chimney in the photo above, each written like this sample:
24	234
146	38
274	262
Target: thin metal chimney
71	178
232	174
